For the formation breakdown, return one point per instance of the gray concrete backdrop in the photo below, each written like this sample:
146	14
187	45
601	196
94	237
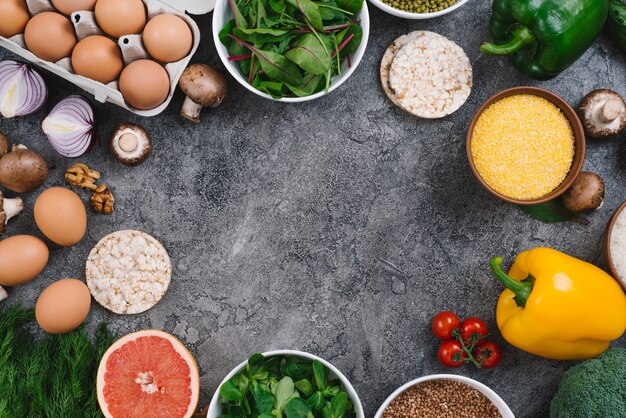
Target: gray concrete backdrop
338	226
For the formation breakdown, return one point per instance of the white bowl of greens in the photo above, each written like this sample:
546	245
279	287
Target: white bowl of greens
293	381
291	50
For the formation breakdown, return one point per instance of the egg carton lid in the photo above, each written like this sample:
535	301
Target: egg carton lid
195	7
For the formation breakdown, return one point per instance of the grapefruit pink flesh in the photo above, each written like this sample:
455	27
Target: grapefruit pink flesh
148	374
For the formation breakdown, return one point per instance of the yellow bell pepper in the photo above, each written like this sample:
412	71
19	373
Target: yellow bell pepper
558	306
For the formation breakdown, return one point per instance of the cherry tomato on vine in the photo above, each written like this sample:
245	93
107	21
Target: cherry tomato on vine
490	352
471	326
444	323
446	353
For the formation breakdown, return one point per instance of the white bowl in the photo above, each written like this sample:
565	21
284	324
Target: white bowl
416	16
215	408
222	14
503	408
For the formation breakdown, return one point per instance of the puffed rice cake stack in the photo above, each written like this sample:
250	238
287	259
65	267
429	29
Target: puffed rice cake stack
128	272
426	74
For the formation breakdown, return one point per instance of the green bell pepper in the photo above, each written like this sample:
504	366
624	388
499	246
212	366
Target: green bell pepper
544	37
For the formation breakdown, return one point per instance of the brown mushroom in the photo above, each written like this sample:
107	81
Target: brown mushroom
3	294
22	170
204	87
130	144
603	113
8	209
4	144
586	193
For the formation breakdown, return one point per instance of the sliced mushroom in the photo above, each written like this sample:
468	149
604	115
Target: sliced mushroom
130	144
22	170
586	193
4	144
8	209
603	113
3	294
204	87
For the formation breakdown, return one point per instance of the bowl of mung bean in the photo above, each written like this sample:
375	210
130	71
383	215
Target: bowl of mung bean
418	9
526	145
444	396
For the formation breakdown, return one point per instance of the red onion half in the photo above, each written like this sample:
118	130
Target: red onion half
71	126
22	89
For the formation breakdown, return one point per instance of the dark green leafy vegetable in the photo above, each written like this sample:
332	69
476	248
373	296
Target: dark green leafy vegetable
284	387
54	377
289	48
552	212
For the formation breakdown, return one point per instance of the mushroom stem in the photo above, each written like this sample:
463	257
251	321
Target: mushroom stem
12	207
191	110
3	294
610	110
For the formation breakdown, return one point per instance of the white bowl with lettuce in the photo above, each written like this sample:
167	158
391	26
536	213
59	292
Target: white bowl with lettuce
322	385
291	50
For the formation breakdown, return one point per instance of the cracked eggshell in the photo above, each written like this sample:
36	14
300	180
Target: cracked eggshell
22	258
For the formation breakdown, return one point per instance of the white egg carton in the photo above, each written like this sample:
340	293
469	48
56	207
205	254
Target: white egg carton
131	46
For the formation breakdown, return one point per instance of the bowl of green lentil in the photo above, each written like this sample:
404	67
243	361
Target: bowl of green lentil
444	396
526	145
418	9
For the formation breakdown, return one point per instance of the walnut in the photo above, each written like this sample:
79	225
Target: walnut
80	175
102	199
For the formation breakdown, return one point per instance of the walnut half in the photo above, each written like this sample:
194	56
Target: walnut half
80	175
102	199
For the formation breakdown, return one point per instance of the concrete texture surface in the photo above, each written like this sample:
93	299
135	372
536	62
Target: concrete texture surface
337	227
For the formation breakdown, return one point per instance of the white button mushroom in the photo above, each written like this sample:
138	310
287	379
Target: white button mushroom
130	144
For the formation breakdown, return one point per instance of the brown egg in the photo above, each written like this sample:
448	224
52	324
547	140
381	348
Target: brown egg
121	17
14	16
22	258
99	58
63	306
50	36
61	216
167	38
67	7
144	84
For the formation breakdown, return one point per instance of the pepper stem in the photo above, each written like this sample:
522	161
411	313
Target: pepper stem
521	37
520	289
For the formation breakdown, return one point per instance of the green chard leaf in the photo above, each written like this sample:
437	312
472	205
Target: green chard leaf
552	212
310	11
277	67
352	6
310	54
277	6
240	21
260	35
273	88
308	86
353	45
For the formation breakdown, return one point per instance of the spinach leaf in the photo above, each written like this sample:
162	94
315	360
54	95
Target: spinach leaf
310	54
338	405
263	398
305	387
235	411
297	408
230	390
310	11
319	371
285	390
352	6
552	212
292	370
316	401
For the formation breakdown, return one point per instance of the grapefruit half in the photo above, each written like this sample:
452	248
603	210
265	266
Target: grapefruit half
148	374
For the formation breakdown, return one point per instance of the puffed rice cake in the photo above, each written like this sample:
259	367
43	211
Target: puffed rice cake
426	74
128	272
